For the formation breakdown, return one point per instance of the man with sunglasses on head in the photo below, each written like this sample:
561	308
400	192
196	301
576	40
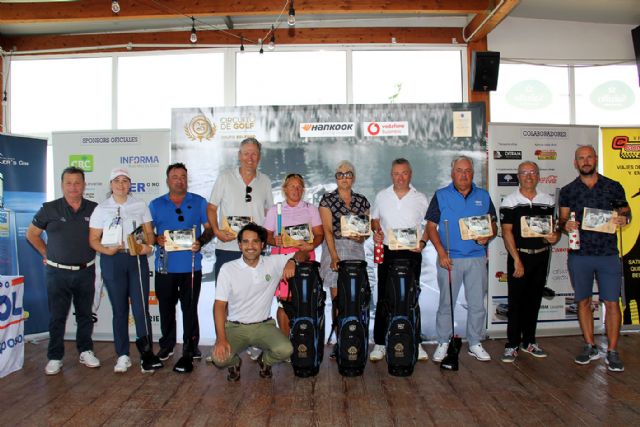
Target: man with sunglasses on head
240	191
179	210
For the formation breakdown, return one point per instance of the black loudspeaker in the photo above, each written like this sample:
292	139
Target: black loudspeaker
635	35
484	71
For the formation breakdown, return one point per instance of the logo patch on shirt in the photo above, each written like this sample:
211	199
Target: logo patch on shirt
477	203
267	277
63	219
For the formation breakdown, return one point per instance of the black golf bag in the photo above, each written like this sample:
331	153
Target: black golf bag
352	331
402	335
307	319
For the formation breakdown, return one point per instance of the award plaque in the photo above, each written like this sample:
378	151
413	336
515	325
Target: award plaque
355	225
536	226
475	227
179	240
234	224
135	239
294	235
113	234
403	239
599	220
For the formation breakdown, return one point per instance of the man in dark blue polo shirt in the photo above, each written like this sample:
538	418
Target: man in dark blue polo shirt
598	253
179	210
70	270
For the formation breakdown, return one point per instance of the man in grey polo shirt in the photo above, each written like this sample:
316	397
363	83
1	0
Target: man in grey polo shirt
70	267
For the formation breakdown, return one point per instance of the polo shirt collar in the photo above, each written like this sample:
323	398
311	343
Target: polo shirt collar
454	189
187	197
244	265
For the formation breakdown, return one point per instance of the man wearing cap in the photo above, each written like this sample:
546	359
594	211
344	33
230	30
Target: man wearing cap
179	273
70	267
241	191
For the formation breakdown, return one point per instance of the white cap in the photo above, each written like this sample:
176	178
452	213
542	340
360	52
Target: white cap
116	172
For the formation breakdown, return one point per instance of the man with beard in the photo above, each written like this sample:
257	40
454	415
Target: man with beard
598	253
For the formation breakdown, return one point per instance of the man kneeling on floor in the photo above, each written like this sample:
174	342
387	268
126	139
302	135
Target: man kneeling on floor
242	308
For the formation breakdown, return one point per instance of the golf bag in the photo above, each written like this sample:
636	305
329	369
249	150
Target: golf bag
352	331
402	335
307	319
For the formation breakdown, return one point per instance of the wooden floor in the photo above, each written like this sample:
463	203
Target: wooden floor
551	391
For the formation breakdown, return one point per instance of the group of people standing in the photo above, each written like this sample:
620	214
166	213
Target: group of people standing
247	280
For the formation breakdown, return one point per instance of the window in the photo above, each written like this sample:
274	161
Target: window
381	77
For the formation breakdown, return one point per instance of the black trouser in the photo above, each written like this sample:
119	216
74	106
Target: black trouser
170	288
525	296
382	314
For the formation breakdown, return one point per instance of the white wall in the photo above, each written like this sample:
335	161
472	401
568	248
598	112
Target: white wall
540	39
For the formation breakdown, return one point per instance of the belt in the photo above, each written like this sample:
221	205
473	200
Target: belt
533	251
71	267
123	251
250	323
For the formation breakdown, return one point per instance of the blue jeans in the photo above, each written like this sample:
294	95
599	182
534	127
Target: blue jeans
63	287
122	279
473	273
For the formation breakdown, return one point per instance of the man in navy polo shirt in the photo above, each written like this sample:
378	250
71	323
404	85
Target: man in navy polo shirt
598	253
179	210
466	259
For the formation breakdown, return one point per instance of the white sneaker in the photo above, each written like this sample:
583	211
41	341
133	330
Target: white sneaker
422	355
479	353
378	353
122	364
53	367
88	359
441	352
254	353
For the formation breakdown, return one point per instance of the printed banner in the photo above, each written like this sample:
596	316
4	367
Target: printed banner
621	161
12	318
145	153
23	165
553	149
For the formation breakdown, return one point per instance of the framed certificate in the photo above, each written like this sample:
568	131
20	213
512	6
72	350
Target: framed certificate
599	220
355	225
403	238
475	227
234	224
536	226
294	235
179	240
135	239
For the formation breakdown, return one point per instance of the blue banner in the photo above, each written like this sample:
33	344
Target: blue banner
23	165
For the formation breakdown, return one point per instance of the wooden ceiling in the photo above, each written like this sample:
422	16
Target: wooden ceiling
80	24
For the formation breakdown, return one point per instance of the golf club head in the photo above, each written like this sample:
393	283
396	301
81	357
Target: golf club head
450	362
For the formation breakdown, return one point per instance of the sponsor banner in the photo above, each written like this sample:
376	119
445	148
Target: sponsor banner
23	164
385	128
620	158
145	153
552	148
12	316
327	130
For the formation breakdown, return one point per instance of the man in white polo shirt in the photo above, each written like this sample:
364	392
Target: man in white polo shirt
243	304
399	206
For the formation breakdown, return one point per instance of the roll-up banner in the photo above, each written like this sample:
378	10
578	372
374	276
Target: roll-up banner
552	147
145	153
621	161
23	166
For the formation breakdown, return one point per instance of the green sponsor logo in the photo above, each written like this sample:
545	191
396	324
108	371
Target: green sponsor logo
82	161
612	95
530	95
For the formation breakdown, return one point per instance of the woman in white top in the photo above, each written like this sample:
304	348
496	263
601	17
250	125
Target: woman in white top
125	276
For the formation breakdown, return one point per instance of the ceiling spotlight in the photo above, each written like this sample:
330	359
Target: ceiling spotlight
272	42
194	37
291	20
260	43
241	44
115	6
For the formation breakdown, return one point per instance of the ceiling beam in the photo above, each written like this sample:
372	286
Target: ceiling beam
299	36
483	23
100	10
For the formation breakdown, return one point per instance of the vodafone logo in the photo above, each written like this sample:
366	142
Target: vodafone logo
373	128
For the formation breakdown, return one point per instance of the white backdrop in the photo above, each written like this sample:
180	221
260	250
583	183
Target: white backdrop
146	153
552	148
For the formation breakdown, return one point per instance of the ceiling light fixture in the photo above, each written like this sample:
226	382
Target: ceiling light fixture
291	20
115	6
272	42
241	44
194	37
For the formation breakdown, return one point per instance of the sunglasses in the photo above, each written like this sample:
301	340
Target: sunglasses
247	194
180	216
343	175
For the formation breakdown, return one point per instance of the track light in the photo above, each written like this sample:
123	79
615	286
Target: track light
194	37
291	20
241	44
260	43
272	42
115	6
